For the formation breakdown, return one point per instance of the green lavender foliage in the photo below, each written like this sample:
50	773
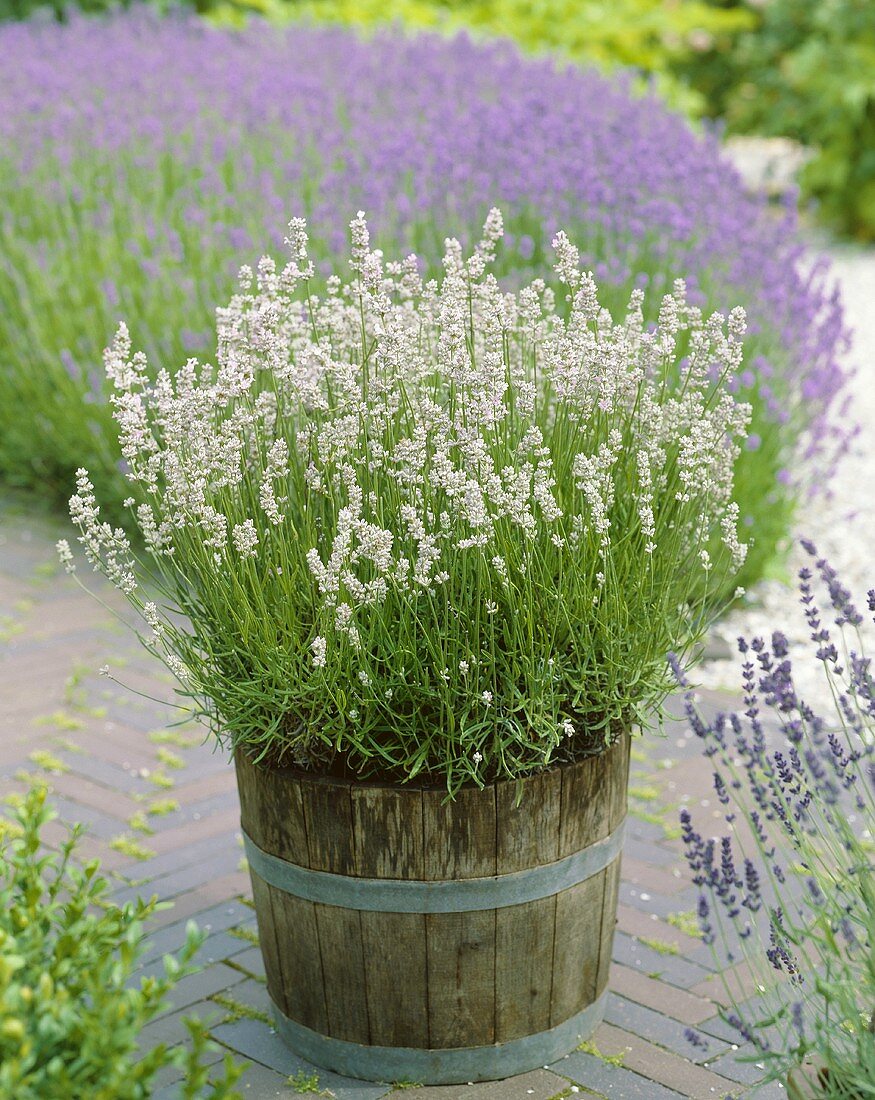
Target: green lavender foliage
70	1017
429	529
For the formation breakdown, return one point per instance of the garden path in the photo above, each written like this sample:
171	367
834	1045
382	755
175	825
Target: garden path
162	812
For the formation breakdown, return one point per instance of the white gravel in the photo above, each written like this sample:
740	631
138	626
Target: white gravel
842	526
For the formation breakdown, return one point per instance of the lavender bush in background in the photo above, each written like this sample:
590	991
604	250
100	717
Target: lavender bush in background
142	160
789	895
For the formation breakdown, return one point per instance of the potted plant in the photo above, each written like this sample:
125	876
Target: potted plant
417	554
789	896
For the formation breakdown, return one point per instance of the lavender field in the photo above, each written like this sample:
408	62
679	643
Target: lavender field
147	159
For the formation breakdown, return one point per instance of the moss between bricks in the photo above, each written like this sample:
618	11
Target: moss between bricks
303	1082
238	1011
686	922
245	971
589	1047
129	846
660	946
245	934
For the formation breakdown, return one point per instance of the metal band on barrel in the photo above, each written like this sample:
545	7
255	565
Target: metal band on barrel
382	895
441	1067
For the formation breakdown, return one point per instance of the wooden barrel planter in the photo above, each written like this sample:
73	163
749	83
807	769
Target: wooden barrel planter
405	938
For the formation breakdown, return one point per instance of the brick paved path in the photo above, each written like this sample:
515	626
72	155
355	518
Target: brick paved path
162	813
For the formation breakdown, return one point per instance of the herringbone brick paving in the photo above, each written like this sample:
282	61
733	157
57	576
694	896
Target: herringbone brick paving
162	815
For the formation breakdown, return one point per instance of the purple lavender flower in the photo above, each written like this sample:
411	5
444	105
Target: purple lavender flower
239	130
799	781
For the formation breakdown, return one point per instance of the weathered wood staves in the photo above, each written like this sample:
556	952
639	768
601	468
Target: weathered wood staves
424	980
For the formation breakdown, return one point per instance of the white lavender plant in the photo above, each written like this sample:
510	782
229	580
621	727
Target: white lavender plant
427	529
787	898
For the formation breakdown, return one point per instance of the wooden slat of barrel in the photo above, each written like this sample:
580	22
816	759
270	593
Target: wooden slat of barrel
272	810
461	946
267	939
527	836
578	946
300	961
328	821
583	819
461	978
609	920
388	843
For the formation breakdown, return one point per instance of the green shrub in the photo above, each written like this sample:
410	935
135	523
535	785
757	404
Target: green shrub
807	71
70	1019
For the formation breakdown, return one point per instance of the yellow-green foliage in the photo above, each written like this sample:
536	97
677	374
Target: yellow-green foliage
650	35
70	1017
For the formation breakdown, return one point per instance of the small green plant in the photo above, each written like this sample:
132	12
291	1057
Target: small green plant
661	947
139	823
303	1082
161	780
237	1010
70	1018
242	933
161	807
589	1047
173	737
686	922
48	762
170	759
61	720
131	847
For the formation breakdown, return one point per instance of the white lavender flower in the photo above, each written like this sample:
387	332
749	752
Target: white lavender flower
474	485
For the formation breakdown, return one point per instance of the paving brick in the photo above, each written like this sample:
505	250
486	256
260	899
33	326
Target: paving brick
96	796
649	926
653	880
97	824
172	859
105	772
248	993
224	946
540	1084
659	1065
170	1028
213	919
191	811
671	968
683	899
167	1080
647	850
731	1065
662	996
257	1041
261	1083
223	861
616	1082
205	786
250	959
205	897
198	987
659	1029
118	744
228	821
